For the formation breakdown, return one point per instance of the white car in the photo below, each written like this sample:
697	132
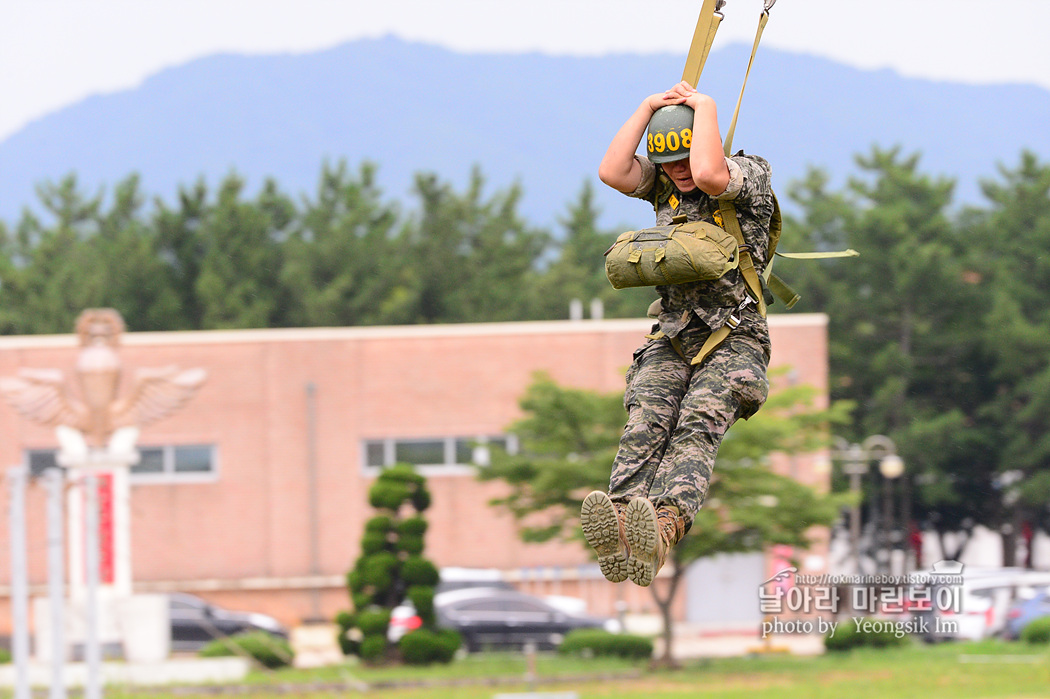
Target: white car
984	601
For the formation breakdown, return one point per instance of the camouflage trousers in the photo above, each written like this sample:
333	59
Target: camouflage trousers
677	413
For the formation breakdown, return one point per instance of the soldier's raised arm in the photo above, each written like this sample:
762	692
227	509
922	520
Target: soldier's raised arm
618	168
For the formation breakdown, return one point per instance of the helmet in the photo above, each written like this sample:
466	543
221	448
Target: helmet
670	133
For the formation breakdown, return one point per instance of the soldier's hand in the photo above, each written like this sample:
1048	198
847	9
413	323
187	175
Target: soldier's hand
682	89
663	99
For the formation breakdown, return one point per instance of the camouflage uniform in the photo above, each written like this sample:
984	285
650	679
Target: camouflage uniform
677	412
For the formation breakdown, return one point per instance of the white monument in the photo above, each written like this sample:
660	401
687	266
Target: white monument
97	430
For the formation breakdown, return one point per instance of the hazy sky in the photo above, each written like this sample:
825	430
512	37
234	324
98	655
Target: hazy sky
56	52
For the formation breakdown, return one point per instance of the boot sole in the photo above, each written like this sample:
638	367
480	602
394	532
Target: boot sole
601	529
643	539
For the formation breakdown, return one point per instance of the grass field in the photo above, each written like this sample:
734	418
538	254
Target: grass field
960	671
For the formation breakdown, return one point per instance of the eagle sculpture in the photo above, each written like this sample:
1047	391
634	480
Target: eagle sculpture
44	396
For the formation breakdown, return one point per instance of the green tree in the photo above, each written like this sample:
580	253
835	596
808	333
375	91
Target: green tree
86	257
391	569
467	259
237	286
123	268
340	261
903	344
578	269
181	247
568	438
1015	277
50	283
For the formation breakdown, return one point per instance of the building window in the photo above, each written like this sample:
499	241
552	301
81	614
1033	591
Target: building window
167	463
435	455
39	460
175	462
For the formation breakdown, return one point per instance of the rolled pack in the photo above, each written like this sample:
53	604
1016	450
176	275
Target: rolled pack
689	251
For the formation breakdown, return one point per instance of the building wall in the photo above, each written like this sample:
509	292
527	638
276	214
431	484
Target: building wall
243	537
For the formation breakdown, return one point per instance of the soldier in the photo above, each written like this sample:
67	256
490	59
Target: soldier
678	411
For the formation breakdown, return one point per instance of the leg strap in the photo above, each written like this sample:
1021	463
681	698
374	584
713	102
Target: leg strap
713	340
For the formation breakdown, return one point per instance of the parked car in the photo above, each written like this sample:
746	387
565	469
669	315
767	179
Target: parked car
499	618
984	601
453	578
403	618
196	622
1026	610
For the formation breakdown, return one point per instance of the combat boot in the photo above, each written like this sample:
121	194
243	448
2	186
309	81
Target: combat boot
651	533
602	522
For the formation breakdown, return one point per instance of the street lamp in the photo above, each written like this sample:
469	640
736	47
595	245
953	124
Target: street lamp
856	460
891	467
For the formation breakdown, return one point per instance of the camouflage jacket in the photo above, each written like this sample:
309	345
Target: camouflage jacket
750	190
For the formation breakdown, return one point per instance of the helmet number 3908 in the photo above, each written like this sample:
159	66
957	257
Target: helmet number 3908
672	141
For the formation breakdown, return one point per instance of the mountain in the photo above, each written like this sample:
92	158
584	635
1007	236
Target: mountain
541	121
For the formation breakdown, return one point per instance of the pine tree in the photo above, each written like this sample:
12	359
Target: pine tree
390	570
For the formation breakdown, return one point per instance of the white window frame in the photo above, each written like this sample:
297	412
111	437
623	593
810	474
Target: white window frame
168	474
449	468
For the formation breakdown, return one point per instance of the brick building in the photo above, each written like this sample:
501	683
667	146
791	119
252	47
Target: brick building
254	496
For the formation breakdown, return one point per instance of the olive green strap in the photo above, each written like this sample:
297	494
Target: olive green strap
779	287
781	290
717	336
848	252
754	49
703	37
713	341
747	265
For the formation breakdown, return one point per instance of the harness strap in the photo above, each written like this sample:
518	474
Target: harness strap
703	37
713	340
782	291
747	265
763	18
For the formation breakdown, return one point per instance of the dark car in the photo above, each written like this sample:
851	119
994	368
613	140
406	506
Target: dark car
1025	611
500	618
195	622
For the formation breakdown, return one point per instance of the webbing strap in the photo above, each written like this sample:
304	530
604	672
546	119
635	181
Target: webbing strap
747	265
782	291
713	341
754	49
703	37
848	252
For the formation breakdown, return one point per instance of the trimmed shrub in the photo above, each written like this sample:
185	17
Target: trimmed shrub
373	542
597	642
422	598
412	545
404	473
424	646
413	526
391	570
373	621
388	495
380	524
845	637
348	635
421	499
874	633
419	571
5	657
269	651
361	600
373	647
1037	631
378	570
